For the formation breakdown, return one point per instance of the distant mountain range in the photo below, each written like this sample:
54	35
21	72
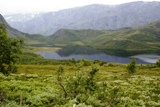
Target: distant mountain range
121	42
22	17
95	16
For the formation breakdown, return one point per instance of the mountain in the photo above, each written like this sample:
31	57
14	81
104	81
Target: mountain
14	33
11	31
126	41
21	17
122	42
3	21
94	16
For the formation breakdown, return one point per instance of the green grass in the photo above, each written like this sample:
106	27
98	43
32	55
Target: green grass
39	86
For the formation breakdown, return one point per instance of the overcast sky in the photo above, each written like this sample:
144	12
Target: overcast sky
30	6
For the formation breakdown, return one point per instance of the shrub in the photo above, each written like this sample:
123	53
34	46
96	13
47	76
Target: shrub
131	67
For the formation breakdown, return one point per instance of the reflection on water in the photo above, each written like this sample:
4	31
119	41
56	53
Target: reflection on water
79	52
101	56
148	58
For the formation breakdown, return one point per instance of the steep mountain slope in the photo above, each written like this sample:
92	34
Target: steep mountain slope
11	31
93	17
14	33
127	41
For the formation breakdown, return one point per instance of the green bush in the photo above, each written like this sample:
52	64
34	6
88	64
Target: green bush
131	67
87	88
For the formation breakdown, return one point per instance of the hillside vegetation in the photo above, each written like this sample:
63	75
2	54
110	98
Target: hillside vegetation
112	86
142	39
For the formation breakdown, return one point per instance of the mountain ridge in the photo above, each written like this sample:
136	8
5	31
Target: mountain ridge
14	33
95	16
127	41
124	41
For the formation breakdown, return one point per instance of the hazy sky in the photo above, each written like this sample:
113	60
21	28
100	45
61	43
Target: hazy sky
27	6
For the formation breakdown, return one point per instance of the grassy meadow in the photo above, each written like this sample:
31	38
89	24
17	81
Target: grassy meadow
38	86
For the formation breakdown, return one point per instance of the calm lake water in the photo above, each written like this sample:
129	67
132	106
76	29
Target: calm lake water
141	59
79	52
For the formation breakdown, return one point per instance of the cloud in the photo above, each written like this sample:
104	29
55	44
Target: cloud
27	6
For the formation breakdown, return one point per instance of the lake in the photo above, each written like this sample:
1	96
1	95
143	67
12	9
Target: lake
141	59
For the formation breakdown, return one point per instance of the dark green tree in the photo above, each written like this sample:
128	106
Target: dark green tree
131	67
9	51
